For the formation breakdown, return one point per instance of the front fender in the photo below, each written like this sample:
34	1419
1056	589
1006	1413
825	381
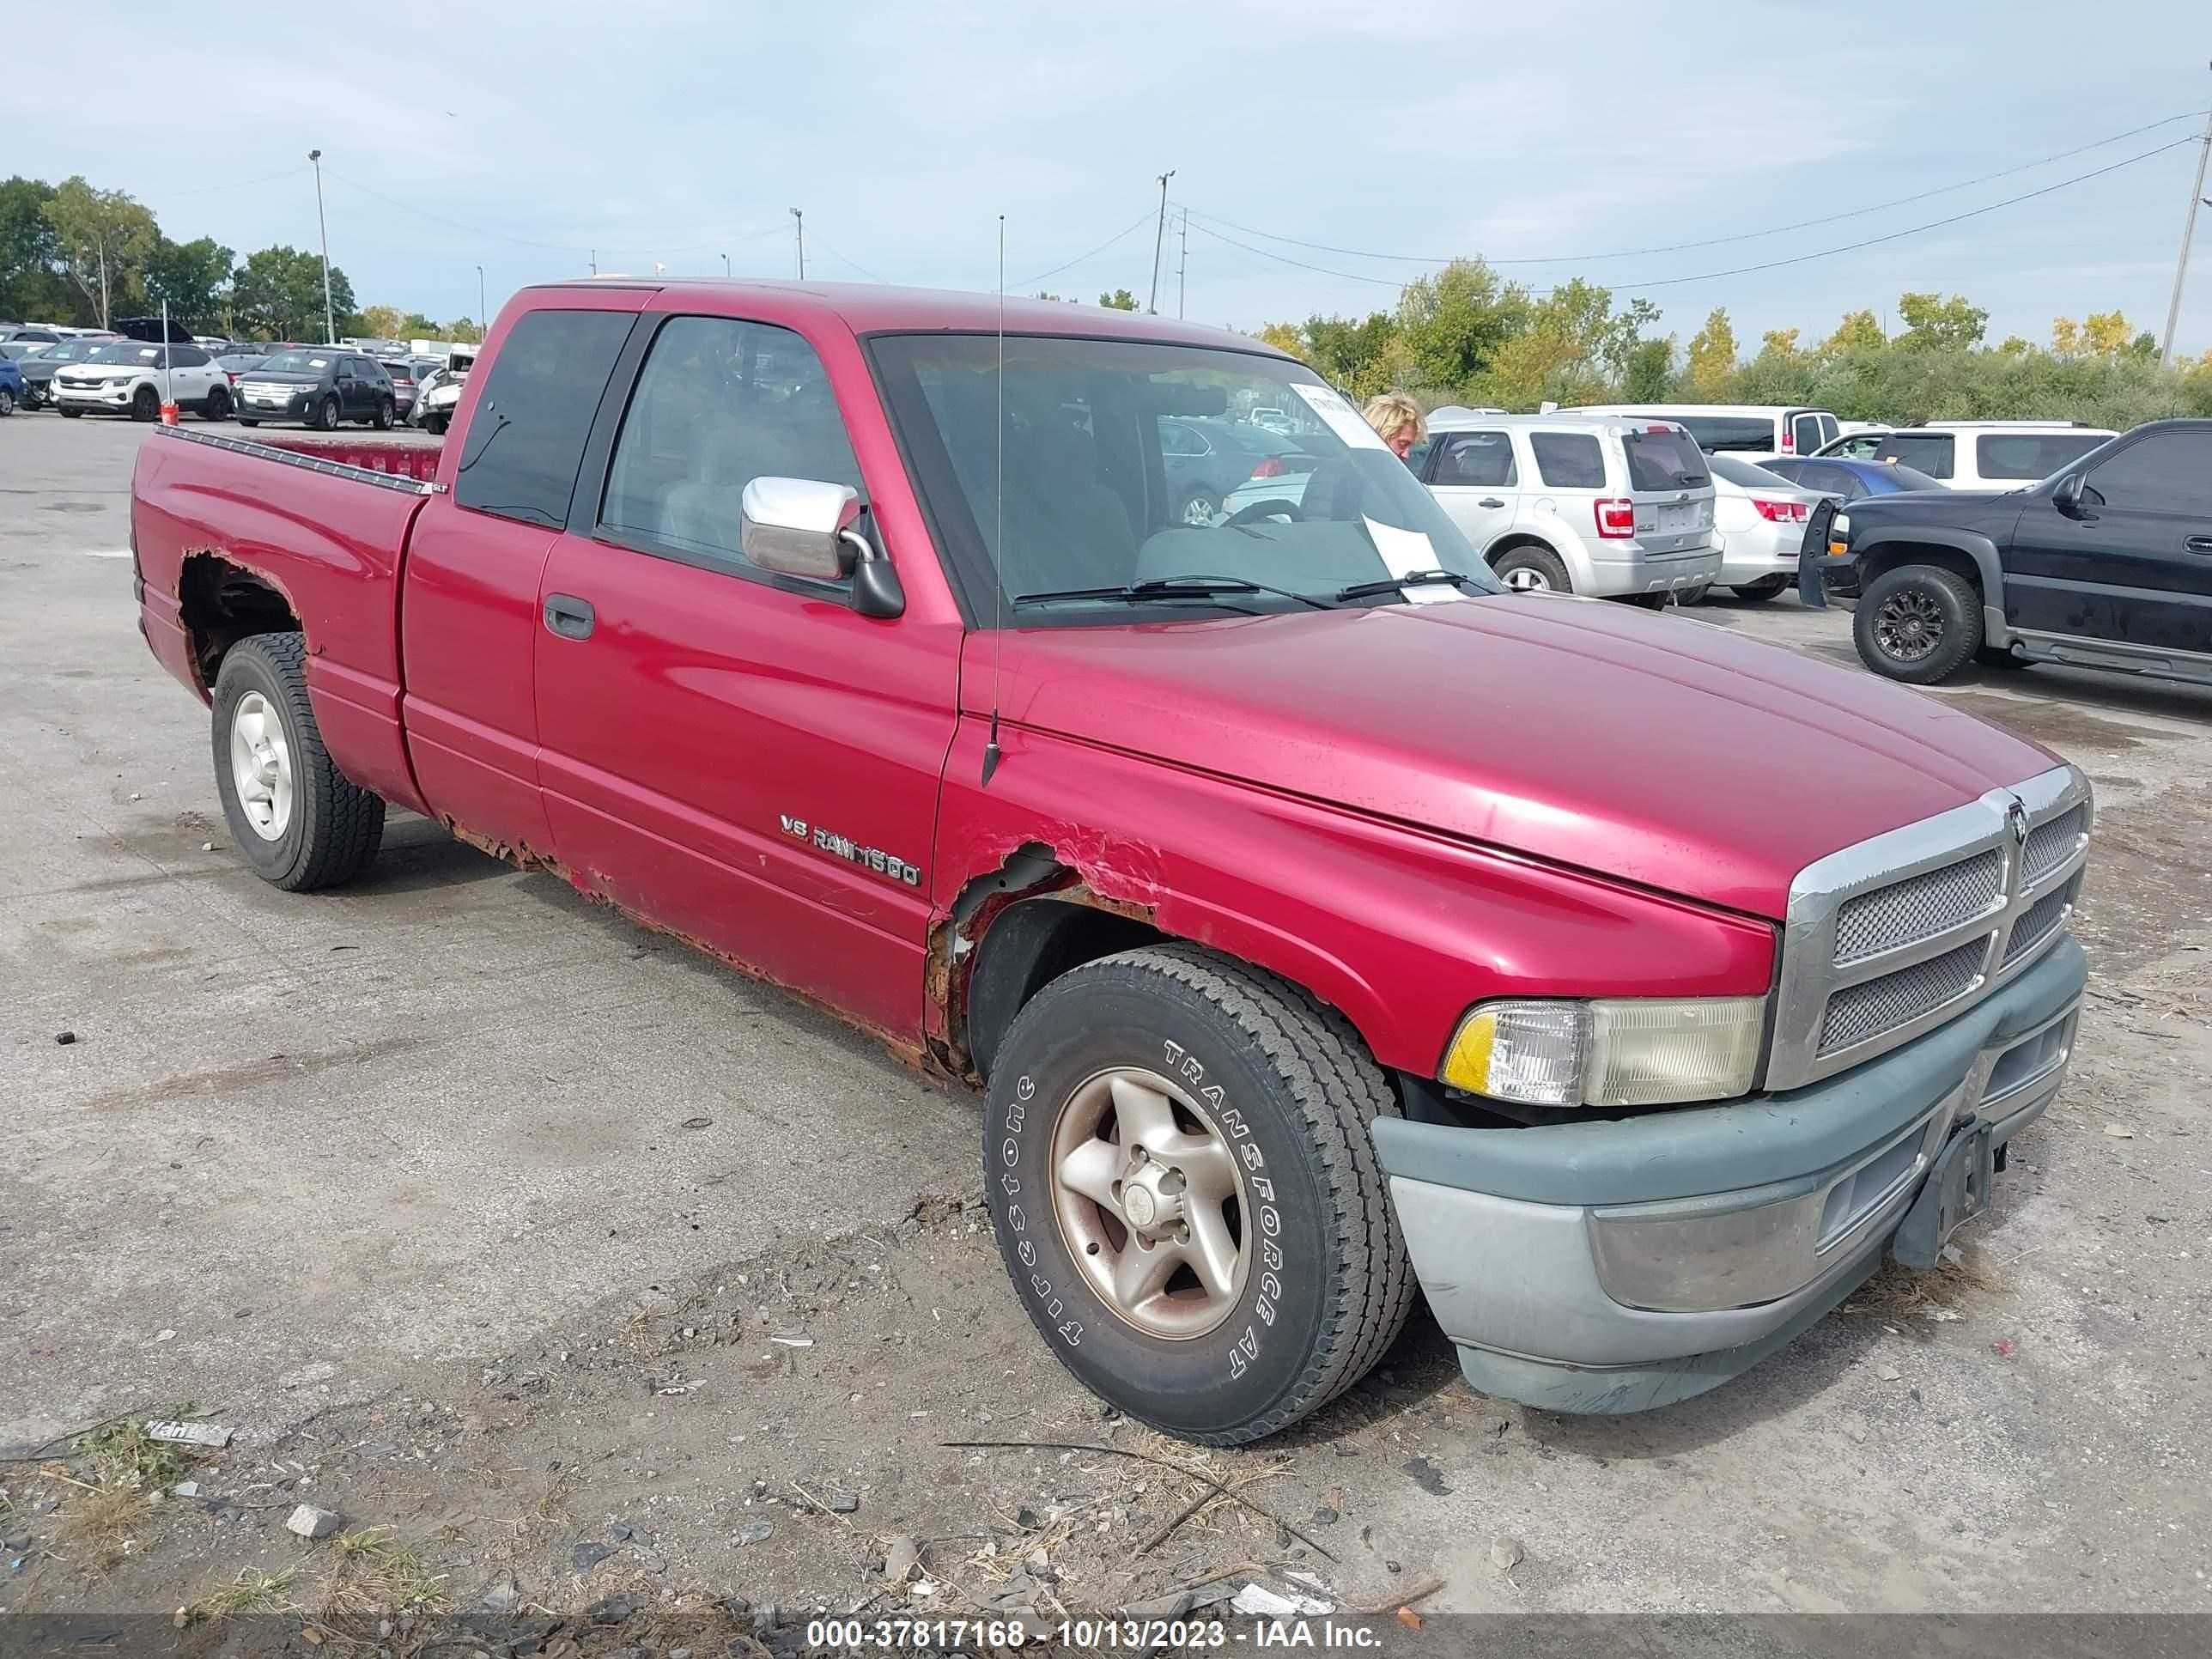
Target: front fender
1975	545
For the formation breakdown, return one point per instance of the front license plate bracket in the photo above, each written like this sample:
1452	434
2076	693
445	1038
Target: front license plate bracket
1957	1190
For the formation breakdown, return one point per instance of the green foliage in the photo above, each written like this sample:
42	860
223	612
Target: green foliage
102	239
1712	358
278	295
1454	322
194	279
1119	299
32	287
1938	324
1648	372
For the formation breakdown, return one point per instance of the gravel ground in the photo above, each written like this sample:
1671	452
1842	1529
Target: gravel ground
588	1268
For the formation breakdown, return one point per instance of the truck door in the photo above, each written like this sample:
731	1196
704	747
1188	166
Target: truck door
2132	560
737	755
470	622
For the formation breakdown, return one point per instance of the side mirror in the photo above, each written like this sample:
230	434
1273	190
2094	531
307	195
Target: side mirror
2066	494
799	527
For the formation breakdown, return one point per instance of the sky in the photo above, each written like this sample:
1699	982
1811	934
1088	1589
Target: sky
535	138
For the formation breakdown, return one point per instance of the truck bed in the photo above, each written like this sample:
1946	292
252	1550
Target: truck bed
410	455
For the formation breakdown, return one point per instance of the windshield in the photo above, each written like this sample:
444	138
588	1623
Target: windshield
1717	432
125	351
1096	495
298	362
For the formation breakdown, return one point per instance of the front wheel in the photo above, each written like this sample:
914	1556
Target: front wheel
1918	623
383	415
1765	588
1200	508
299	822
1532	570
7	400
71	414
435	424
1179	1173
326	414
145	404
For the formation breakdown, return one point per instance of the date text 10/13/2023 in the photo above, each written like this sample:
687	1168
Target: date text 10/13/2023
1089	1635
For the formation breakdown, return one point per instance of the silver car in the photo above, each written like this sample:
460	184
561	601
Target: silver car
1760	519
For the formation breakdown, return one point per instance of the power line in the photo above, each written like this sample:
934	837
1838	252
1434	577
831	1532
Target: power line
1629	286
488	234
240	184
1070	264
822	242
1714	241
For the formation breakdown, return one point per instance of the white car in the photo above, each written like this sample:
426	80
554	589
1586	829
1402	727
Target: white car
1748	429
1762	521
438	392
125	377
1977	454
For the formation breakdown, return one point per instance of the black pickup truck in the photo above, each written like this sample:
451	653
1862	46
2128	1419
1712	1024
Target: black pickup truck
2107	563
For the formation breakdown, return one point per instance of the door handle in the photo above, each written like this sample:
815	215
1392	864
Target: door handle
2199	544
1489	501
570	617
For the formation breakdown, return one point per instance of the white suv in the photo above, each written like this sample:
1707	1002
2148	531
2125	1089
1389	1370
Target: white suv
1977	454
1577	504
125	377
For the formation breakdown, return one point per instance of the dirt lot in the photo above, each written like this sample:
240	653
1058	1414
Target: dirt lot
588	1270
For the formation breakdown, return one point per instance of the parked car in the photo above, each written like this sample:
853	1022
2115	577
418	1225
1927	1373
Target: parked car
11	386
436	397
1749	429
235	363
1850	480
132	377
1763	522
28	333
321	386
1321	943
1206	459
1977	454
2106	564
39	363
402	371
1270	420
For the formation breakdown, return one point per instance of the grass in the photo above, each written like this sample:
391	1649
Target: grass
129	1470
250	1592
1898	1293
375	1574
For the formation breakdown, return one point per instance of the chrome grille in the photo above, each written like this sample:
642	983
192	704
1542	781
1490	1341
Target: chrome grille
1918	907
2041	918
2049	844
1875	1006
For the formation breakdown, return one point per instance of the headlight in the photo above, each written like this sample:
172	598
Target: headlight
1622	1051
1839	527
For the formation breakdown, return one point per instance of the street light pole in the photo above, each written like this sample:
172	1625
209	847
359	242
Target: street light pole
2188	235
726	265
1159	238
799	219
323	229
483	311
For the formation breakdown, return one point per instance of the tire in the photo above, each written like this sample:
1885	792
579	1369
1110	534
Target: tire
1765	588
1200	508
145	405
71	414
217	405
1322	1284
7	400
1991	656
1918	623
329	827
435	424
244	420
1529	568
325	417
383	418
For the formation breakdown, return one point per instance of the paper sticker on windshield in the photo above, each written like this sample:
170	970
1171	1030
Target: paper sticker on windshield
1340	416
1403	552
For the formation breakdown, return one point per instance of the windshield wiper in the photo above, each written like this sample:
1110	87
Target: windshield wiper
1172	587
1392	584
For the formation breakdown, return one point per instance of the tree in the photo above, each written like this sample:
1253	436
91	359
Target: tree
1571	348
1454	321
1286	337
32	287
1647	376
1937	325
1712	357
415	327
103	237
2014	346
278	294
383	323
1119	299
1858	332
461	329
193	277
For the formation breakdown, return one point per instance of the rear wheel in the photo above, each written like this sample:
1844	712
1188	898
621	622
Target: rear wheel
1180	1177
145	404
1200	508
1765	588
434	425
383	415
1532	569
1918	623
298	820
217	406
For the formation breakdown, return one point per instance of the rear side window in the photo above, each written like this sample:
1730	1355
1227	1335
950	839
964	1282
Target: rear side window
1568	460
2027	456
1930	452
187	357
1717	432
528	432
1806	433
1476	459
1664	460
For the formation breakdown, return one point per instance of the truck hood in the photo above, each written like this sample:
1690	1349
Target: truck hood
1656	749
1959	509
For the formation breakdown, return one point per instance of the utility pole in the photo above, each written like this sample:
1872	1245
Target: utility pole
799	220
726	265
2188	234
483	311
1182	266
322	228
595	262
1159	236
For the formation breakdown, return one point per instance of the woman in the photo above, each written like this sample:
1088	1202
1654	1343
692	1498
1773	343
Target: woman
1398	420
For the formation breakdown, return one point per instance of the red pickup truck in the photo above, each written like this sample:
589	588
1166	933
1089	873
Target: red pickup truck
1317	917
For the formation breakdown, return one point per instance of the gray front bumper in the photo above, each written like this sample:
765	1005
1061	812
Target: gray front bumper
1614	1267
